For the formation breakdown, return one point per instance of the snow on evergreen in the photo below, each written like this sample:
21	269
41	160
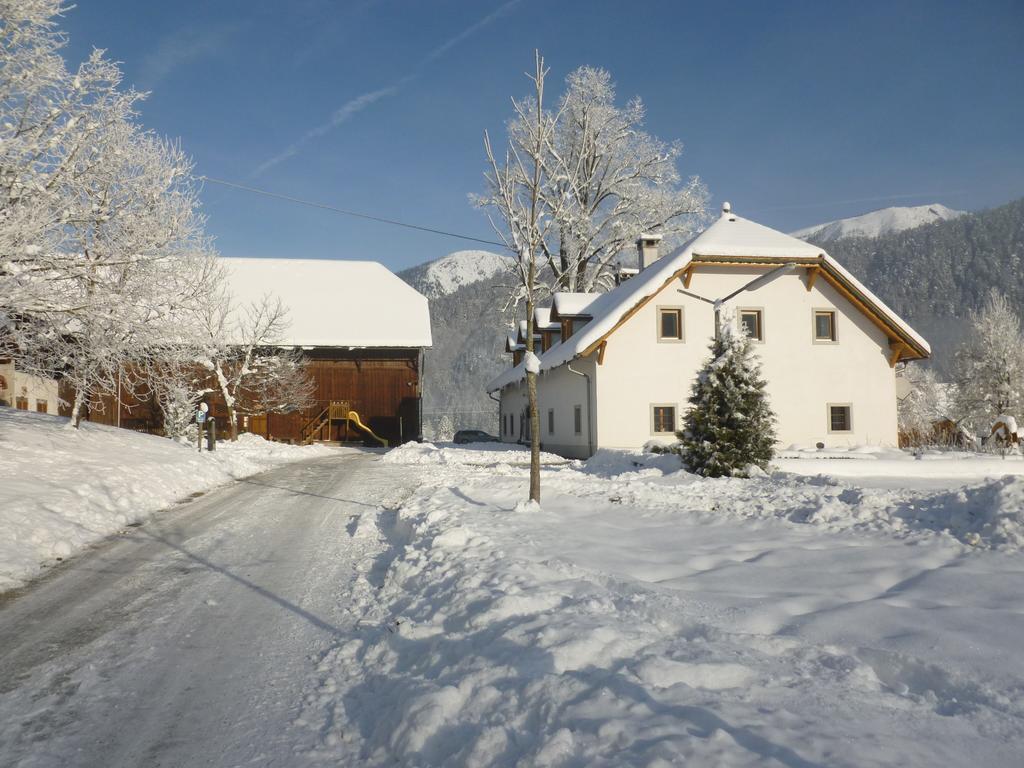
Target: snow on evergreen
877	223
730	426
446	275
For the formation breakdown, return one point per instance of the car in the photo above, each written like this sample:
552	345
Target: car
475	436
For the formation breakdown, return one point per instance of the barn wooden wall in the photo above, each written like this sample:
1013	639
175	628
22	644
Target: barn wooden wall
382	385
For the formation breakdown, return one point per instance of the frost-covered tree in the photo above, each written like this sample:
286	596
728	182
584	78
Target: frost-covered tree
523	210
52	128
619	180
177	385
923	405
990	365
730	425
131	230
242	351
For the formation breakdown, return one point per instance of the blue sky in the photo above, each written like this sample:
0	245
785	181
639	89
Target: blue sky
796	112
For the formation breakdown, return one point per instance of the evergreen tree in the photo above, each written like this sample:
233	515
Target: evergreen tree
730	425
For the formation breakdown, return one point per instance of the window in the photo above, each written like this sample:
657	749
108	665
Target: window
41	406
824	325
839	418
752	324
577	419
663	419
551	421
21	403
670	324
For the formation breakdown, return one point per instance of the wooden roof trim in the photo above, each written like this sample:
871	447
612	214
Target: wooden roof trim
632	311
909	349
836	280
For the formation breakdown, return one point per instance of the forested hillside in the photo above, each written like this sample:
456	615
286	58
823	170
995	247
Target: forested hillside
935	274
468	324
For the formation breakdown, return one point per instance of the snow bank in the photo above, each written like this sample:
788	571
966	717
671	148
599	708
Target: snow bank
643	616
63	489
470	454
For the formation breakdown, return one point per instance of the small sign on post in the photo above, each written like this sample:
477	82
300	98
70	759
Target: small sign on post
200	420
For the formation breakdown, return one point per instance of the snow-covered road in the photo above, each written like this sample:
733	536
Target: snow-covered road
189	640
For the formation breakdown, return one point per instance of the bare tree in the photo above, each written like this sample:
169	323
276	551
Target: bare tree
520	192
242	350
619	182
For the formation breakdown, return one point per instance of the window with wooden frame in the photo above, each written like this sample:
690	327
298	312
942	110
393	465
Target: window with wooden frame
551	421
840	418
752	323
670	324
663	419
41	406
577	419
825	326
21	403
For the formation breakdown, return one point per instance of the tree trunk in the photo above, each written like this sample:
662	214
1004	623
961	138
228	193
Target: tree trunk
233	423
531	390
76	409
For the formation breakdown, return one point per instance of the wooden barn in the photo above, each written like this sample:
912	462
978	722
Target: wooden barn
362	331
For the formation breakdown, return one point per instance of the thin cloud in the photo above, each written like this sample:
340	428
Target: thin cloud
341	115
356	105
181	48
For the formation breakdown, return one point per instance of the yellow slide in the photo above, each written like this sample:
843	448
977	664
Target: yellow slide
354	418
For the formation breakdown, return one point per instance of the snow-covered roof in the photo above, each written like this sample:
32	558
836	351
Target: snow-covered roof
512	343
565	304
335	303
730	236
542	320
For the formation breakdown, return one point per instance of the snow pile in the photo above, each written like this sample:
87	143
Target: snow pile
651	619
64	489
471	454
878	223
446	275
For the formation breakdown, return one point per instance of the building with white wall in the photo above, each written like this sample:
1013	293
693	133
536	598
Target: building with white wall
617	368
25	392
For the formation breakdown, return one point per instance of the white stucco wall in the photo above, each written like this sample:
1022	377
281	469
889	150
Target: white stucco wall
803	377
31	388
560	390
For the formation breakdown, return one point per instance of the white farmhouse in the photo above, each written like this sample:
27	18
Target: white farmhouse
617	367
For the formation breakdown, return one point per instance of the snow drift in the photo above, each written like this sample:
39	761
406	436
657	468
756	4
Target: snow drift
64	489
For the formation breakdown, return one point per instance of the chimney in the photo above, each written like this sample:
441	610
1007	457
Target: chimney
647	249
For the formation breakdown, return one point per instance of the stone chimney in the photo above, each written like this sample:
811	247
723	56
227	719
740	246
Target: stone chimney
647	249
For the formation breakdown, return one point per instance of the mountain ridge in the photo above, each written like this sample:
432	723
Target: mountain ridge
883	221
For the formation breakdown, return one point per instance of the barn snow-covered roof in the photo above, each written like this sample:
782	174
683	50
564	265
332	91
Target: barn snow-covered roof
335	303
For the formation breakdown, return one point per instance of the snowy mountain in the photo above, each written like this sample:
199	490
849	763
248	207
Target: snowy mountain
877	223
446	275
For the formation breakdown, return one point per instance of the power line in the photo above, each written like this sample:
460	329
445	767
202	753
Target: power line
334	209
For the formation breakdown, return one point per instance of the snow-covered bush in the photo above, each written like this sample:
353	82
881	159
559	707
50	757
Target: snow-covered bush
730	426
